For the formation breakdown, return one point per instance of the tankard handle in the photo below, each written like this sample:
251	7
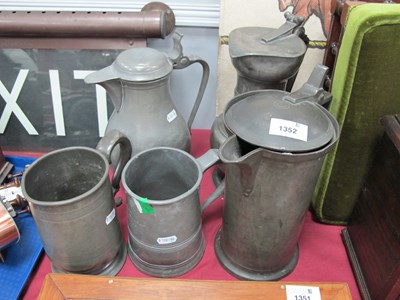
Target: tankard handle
107	144
219	190
181	61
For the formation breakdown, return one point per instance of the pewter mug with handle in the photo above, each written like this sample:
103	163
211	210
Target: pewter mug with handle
71	200
164	213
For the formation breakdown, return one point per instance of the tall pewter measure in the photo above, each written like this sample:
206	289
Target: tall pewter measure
264	58
272	163
267	58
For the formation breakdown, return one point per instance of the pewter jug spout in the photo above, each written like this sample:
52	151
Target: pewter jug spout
244	157
115	91
235	151
110	82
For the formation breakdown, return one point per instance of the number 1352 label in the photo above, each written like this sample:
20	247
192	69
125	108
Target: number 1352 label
288	129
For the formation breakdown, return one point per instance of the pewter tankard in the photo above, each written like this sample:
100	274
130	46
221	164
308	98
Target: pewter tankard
164	214
71	200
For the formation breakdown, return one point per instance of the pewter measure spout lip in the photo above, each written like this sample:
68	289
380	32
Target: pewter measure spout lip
100	76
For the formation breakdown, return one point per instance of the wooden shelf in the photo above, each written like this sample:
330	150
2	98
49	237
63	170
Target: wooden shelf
63	286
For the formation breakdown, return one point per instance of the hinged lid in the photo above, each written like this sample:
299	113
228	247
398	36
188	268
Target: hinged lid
135	64
246	41
141	64
282	121
264	41
266	120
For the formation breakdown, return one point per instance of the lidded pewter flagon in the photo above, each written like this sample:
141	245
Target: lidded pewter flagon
272	163
138	85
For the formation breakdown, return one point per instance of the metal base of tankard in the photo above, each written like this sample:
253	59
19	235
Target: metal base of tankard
111	269
247	274
165	271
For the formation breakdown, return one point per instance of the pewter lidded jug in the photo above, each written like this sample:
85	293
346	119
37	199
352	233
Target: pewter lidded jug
138	85
272	163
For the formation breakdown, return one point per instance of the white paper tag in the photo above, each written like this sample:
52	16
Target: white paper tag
298	292
167	240
110	216
172	116
288	129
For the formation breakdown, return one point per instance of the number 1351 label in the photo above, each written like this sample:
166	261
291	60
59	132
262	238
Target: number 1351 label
298	292
288	129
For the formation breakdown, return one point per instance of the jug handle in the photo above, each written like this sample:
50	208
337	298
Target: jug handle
219	190
180	62
107	144
206	161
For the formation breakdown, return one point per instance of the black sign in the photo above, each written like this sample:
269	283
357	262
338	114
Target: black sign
44	102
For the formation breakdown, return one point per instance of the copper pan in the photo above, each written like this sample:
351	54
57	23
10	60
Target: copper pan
8	229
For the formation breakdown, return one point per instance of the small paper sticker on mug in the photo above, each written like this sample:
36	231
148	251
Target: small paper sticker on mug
172	116
167	240
143	206
110	216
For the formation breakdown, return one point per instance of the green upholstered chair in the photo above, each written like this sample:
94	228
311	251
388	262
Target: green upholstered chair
365	87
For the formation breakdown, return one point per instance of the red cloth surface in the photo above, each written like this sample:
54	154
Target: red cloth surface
322	258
